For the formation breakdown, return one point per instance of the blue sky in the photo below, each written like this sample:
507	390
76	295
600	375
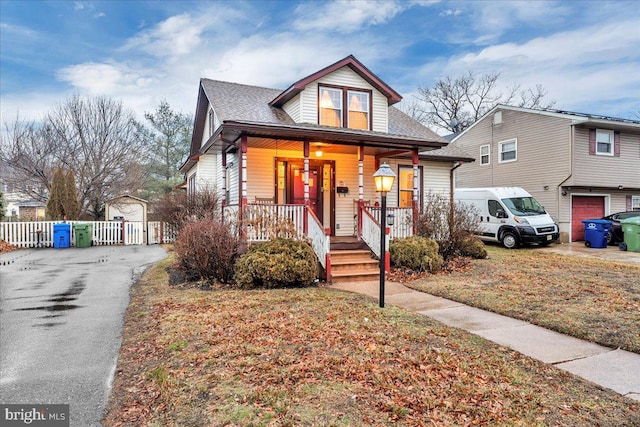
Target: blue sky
585	54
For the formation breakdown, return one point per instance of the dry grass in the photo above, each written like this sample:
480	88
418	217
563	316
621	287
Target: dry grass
592	299
319	357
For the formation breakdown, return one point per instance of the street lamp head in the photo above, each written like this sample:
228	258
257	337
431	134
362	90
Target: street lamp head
384	178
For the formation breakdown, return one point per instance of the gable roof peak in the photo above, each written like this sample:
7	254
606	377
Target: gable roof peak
349	61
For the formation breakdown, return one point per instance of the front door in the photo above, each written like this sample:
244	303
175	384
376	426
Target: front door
296	177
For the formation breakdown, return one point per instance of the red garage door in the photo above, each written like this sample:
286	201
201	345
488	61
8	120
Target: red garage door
584	207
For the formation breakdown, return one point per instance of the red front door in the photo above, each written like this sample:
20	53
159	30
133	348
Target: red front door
584	207
315	187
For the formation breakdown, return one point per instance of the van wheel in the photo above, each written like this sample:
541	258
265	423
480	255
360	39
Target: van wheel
509	240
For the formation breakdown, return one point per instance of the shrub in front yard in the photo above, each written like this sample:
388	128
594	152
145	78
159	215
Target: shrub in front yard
473	247
279	263
207	249
451	228
416	253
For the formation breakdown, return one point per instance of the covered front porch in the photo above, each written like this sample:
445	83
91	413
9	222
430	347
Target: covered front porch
315	182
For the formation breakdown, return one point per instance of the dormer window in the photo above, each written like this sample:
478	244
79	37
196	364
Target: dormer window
332	111
330	106
358	110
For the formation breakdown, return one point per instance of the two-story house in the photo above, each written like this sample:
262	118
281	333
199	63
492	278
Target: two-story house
309	153
578	166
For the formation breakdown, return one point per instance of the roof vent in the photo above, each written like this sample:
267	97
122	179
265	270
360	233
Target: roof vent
497	118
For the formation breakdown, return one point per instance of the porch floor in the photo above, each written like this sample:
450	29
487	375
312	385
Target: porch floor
339	243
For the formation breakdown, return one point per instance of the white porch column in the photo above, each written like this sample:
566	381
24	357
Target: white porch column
416	211
306	172
361	172
243	171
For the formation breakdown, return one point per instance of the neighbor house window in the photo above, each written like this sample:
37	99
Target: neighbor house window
405	186
358	110
635	203
330	106
485	154
604	142
508	150
191	186
344	107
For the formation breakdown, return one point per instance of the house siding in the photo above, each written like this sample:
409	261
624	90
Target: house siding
543	156
347	78
292	108
606	171
206	169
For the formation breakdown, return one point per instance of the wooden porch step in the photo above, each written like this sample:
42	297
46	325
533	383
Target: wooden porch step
353	266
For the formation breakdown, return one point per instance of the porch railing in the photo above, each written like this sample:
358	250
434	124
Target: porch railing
319	238
403	220
371	232
265	222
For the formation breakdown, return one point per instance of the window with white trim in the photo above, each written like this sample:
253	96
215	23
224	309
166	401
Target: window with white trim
508	151
485	154
211	123
635	203
604	142
344	107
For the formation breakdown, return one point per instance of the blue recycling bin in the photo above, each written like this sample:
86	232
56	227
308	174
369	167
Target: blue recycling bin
61	235
595	232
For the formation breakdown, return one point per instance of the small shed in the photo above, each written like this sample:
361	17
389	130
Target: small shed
126	207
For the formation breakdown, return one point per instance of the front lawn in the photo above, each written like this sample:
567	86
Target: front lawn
592	299
320	357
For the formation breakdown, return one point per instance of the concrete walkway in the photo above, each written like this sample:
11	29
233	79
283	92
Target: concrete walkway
614	369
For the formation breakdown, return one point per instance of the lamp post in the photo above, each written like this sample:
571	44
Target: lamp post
383	178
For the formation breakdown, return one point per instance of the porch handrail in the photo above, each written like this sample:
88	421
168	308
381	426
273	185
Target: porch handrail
371	231
320	240
403	220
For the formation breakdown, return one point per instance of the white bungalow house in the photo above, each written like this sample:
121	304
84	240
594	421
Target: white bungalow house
309	153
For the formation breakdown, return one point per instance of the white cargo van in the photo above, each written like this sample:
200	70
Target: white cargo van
509	215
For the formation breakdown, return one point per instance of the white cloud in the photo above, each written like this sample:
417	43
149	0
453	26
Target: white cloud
100	15
345	16
13	31
78	5
575	67
178	35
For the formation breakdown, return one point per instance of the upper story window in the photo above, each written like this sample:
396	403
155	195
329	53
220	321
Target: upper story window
358	110
508	151
357	113
604	142
485	154
330	106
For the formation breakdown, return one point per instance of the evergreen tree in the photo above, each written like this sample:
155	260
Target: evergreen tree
70	205
55	209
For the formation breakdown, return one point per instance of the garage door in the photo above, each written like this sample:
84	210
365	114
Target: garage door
584	207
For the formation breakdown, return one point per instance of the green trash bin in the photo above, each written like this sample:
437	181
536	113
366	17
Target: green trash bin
83	235
631	230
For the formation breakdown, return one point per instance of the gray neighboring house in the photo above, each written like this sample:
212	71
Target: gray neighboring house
578	166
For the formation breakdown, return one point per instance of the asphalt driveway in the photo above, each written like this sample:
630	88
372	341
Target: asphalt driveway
61	317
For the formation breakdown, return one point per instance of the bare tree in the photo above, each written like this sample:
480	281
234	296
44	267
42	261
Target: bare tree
455	103
97	138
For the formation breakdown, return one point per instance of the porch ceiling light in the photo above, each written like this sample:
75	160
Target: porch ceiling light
384	178
318	152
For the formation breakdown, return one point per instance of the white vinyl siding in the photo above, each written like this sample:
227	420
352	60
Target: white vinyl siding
292	108
207	172
508	151
260	173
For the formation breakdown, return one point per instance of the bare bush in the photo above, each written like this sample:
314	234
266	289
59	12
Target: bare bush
179	209
207	249
451	228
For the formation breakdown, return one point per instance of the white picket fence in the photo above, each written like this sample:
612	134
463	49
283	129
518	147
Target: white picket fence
41	233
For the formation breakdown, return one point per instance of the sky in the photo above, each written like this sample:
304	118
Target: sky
586	54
